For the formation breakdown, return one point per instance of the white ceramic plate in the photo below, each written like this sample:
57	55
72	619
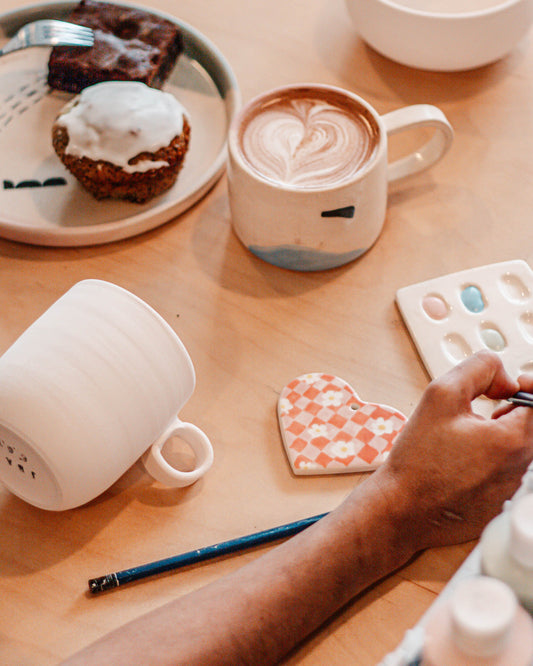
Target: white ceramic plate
41	202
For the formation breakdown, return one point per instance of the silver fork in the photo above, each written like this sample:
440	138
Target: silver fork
49	32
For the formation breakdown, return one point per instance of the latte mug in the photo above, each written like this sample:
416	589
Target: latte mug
92	385
308	172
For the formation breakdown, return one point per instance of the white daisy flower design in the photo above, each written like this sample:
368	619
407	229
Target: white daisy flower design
308	464
341	449
311	377
331	398
285	405
381	426
318	430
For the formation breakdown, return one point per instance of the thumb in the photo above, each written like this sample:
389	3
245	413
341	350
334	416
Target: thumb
480	374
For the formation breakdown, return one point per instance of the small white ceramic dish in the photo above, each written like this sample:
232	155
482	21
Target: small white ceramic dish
442	35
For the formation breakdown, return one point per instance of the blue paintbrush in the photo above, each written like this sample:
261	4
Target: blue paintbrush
112	580
522	398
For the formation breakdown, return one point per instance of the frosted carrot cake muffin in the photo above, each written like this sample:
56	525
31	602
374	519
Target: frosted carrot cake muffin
123	140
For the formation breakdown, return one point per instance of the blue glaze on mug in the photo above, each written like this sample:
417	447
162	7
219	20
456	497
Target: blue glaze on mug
299	258
473	299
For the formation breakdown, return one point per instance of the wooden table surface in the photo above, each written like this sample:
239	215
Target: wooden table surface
251	327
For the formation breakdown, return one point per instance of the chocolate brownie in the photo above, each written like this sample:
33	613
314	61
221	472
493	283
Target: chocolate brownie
129	45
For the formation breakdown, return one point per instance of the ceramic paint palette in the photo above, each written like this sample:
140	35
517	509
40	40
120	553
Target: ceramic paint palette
489	307
328	429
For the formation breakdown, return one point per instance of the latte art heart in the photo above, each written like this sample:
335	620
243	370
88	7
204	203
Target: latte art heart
307	142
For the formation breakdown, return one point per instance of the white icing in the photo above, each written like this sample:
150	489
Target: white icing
116	120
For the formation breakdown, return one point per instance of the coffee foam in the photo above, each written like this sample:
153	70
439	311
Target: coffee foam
308	139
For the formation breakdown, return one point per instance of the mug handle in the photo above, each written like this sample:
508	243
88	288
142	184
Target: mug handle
411	117
162	471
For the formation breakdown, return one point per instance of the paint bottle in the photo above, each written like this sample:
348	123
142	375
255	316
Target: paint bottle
479	624
507	549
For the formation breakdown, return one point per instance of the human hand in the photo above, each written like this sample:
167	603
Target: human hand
450	469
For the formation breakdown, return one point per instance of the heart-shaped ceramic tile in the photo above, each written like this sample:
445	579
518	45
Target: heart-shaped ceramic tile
328	429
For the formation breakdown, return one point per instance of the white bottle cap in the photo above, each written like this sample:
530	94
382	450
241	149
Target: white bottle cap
521	531
483	611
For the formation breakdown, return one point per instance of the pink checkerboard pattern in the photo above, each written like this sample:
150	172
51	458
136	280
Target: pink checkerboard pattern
327	429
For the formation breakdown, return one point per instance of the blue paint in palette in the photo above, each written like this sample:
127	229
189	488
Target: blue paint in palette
472	299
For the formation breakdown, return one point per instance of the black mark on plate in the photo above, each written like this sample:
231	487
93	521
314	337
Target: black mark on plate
49	182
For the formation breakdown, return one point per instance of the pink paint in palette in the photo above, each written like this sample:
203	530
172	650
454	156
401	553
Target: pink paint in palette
489	307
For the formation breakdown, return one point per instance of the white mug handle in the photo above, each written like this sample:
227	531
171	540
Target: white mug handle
162	471
411	117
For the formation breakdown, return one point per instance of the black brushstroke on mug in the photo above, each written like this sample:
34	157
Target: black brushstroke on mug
346	211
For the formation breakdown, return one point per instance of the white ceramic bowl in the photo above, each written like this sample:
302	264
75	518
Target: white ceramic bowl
427	34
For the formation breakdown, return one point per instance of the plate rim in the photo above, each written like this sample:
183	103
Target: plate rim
135	224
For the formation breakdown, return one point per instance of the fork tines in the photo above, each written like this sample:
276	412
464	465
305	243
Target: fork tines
58	31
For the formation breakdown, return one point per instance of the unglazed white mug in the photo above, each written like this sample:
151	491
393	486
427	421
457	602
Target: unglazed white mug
308	172
92	385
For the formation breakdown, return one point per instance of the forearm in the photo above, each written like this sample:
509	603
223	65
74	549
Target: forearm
258	613
446	476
